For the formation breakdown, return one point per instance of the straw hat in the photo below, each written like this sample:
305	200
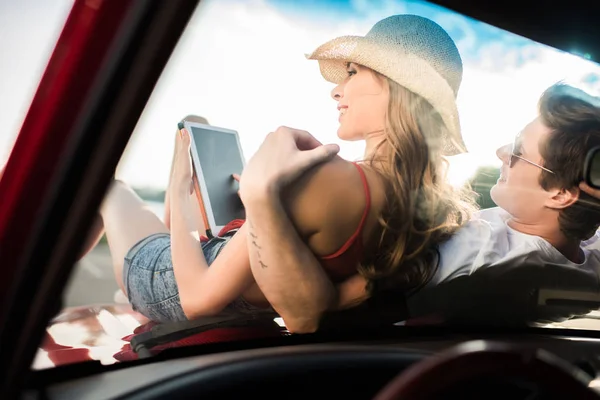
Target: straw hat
413	51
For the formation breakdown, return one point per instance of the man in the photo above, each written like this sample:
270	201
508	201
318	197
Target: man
541	220
542	216
543	235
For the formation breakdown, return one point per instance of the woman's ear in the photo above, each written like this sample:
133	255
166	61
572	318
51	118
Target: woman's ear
563	198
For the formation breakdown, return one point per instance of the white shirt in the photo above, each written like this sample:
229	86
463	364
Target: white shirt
488	242
487	245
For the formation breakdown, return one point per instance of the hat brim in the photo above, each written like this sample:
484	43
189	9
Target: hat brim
406	69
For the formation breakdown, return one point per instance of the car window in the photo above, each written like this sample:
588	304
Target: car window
241	66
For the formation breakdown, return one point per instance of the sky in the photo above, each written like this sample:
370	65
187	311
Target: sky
241	65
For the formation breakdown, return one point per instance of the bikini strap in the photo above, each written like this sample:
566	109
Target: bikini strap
356	235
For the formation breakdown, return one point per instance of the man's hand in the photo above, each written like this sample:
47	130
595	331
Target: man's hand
589	190
283	156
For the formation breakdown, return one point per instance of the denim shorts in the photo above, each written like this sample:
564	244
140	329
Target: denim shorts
150	283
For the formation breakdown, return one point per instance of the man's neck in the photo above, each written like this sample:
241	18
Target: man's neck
550	231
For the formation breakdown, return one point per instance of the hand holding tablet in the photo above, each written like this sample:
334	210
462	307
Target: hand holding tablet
216	154
237	178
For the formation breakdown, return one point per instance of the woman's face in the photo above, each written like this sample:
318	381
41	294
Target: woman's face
363	99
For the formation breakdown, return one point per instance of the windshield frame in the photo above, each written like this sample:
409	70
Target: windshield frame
96	85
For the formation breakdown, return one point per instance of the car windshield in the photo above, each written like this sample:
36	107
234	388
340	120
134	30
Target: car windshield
404	76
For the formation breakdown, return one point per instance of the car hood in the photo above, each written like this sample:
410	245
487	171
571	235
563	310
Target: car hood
96	332
103	333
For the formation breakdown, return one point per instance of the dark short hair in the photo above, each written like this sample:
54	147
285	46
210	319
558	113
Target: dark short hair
574	119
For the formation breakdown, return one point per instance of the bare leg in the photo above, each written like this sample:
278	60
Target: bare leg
127	220
95	234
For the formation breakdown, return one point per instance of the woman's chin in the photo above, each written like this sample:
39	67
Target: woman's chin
347	135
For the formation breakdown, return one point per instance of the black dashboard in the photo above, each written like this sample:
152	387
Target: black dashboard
332	370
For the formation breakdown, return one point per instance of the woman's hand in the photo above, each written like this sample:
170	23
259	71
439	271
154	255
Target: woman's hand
237	178
589	190
284	155
182	174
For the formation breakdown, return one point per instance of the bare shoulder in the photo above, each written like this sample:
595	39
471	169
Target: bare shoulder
326	204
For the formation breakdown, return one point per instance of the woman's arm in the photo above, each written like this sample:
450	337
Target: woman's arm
202	290
206	291
194	212
167	201
350	293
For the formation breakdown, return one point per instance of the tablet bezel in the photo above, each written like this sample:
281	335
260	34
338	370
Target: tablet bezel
215	229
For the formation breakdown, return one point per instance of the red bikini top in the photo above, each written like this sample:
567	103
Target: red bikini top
342	264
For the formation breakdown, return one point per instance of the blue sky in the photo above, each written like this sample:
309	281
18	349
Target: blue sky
471	33
459	27
241	64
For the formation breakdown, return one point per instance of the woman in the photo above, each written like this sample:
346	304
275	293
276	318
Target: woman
381	217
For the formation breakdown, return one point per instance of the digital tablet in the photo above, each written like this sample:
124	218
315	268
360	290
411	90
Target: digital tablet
216	155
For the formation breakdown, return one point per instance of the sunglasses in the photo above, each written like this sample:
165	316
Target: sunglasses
513	157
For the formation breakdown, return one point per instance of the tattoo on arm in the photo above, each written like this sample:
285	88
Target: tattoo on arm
254	239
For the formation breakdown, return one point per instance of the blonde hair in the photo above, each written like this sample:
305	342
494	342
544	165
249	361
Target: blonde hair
422	209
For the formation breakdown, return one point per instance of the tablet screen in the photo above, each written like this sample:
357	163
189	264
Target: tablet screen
220	156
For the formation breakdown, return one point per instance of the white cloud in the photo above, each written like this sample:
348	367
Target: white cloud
451	22
241	65
369	12
499	95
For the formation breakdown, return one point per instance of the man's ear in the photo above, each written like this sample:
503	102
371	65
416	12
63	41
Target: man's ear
563	198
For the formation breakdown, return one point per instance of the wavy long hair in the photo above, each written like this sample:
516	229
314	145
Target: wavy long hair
422	209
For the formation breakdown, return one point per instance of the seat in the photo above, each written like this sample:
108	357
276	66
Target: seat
511	295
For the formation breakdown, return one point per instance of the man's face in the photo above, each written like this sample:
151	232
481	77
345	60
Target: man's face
518	190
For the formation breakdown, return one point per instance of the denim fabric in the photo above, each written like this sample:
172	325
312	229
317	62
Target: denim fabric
150	282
